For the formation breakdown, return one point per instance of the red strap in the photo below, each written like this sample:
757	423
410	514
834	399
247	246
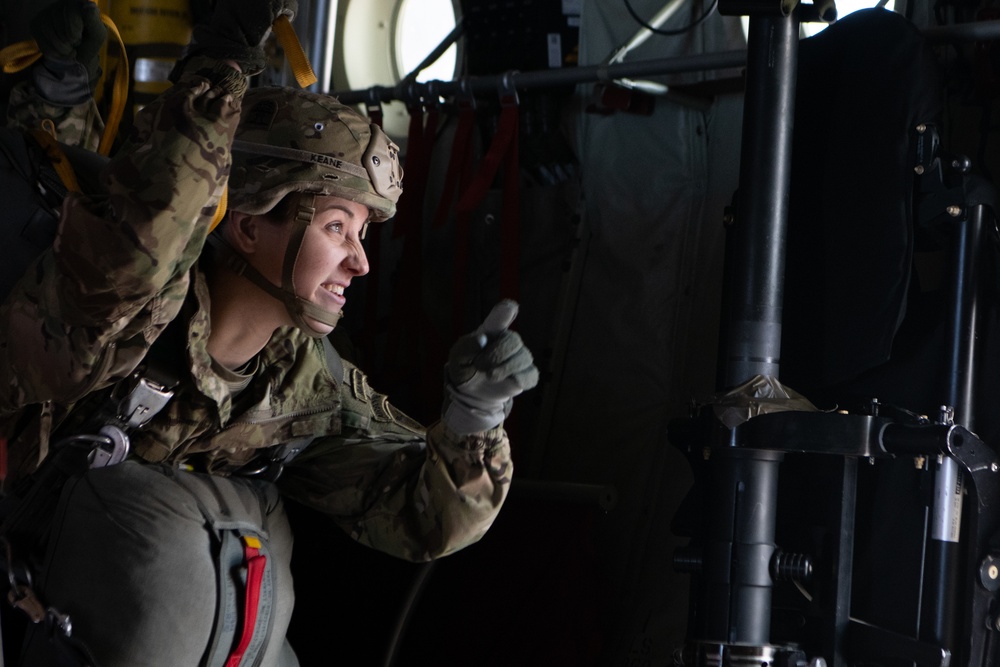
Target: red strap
409	329
256	562
506	131
419	142
457	180
458	171
502	149
510	240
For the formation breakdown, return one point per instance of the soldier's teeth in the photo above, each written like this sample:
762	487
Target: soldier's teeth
336	289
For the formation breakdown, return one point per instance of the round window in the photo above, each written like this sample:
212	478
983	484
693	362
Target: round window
385	40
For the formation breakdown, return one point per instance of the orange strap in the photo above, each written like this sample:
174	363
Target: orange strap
297	59
45	136
220	210
119	91
19	55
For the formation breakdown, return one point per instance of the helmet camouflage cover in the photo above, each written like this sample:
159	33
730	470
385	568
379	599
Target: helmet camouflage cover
291	140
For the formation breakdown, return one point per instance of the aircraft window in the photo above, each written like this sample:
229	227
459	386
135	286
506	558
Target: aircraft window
420	26
384	40
844	7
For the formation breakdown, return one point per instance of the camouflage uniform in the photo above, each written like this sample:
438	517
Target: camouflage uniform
81	123
127	263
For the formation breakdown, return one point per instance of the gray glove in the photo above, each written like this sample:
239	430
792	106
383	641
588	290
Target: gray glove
486	369
70	35
236	30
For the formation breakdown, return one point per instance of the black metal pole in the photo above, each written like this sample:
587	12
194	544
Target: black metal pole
965	318
754	318
736	579
939	620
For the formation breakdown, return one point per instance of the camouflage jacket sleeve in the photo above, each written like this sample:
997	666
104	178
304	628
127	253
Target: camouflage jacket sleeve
77	125
393	487
117	273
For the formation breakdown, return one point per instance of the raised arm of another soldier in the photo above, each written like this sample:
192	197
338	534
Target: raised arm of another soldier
118	271
60	85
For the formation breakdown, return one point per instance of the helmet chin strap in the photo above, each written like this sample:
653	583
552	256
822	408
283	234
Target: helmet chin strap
300	310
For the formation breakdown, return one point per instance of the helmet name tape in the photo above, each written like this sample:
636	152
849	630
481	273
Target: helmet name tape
301	156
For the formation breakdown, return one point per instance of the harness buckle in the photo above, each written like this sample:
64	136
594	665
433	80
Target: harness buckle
145	400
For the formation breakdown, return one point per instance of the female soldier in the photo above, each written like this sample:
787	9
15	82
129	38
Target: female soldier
173	548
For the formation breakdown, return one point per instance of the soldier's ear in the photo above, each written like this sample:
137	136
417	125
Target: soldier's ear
242	231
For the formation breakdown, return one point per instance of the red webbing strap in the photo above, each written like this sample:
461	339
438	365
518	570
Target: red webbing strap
459	175
502	149
510	240
409	328
255	563
458	164
415	172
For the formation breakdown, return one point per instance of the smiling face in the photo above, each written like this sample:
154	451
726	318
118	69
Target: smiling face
329	257
331	254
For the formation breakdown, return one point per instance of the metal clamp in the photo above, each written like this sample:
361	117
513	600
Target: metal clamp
113	451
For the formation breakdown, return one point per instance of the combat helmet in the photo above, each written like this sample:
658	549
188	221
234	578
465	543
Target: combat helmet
292	140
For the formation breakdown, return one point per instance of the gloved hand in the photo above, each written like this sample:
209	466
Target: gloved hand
70	31
236	30
486	369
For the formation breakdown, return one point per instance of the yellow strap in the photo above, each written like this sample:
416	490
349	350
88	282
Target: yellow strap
45	135
19	55
297	59
220	210
119	91
251	541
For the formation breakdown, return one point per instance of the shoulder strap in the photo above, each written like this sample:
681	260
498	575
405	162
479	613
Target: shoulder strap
333	360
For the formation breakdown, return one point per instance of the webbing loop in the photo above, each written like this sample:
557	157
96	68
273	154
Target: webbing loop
19	55
297	59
